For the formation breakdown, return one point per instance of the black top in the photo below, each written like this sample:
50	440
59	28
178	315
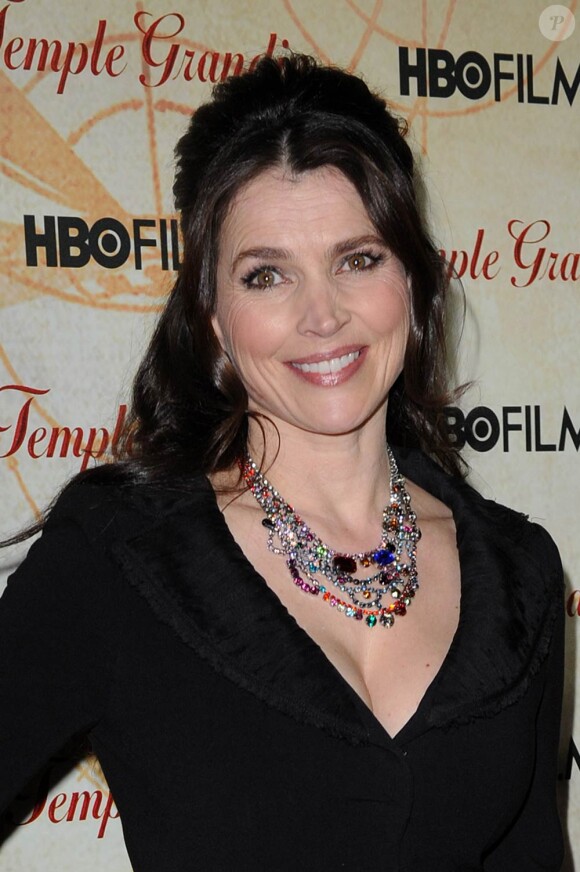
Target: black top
229	740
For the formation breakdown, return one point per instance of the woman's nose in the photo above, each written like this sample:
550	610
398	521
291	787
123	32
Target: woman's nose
323	309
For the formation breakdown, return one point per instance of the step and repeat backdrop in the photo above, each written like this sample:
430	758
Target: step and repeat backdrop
93	97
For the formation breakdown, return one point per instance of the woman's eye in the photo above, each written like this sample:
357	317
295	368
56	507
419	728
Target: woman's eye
263	277
359	261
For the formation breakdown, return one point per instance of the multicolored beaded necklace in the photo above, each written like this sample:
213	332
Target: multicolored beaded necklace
311	562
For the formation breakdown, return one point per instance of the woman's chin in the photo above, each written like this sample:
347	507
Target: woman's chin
323	421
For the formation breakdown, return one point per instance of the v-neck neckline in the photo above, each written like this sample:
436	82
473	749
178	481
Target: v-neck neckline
375	725
196	577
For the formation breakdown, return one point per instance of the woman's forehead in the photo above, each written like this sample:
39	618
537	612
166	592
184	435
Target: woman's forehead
280	204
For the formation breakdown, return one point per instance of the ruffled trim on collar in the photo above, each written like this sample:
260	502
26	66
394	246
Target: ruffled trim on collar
187	565
511	594
197	579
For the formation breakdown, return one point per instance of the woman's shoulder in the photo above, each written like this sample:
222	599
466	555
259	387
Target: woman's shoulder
75	559
108	508
522	532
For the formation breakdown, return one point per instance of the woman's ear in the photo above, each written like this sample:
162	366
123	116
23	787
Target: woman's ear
219	334
217	330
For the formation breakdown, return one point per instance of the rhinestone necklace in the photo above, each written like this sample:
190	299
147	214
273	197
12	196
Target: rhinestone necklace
312	564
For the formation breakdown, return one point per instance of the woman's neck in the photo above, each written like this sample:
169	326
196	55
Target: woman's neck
339	484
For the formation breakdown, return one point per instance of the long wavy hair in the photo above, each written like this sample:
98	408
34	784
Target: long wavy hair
189	408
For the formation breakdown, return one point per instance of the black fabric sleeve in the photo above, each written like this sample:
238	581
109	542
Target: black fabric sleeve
59	628
535	840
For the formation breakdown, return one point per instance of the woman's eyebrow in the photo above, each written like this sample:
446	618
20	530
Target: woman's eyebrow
356	242
262	253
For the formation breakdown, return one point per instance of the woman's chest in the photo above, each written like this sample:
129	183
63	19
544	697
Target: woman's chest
389	667
191	754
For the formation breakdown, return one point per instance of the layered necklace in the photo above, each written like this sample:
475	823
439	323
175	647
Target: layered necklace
388	588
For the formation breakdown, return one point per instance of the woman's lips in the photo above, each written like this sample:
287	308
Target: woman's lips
330	369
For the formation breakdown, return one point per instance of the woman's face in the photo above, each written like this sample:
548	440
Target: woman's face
312	308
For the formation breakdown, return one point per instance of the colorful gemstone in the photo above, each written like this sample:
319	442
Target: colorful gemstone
383	556
371	620
386	620
358	614
344	563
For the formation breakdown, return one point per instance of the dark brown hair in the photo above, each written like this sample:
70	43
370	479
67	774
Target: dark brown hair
189	409
189	406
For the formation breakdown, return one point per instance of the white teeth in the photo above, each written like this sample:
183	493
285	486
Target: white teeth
335	364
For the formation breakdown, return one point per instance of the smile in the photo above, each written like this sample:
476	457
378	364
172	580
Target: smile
335	364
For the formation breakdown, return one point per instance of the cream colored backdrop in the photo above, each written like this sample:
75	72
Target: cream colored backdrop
491	92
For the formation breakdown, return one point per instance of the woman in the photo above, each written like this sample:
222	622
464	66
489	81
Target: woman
268	687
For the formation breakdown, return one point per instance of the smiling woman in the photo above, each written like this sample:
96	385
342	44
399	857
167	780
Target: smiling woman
221	609
309	297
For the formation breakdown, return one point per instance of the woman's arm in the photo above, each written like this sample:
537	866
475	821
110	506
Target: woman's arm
59	627
535	842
